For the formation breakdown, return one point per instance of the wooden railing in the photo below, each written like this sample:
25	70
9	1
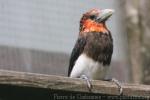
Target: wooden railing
23	86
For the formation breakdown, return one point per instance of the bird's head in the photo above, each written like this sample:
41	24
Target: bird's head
94	20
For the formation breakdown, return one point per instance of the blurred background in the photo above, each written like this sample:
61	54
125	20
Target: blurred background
38	36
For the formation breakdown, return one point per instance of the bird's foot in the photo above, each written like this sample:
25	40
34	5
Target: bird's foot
117	83
88	81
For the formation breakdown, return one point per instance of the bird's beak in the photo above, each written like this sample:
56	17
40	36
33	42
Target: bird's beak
105	14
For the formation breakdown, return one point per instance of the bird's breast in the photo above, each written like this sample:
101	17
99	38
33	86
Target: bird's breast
99	46
87	66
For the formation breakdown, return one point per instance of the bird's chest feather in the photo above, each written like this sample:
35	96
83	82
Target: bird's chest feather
99	46
87	66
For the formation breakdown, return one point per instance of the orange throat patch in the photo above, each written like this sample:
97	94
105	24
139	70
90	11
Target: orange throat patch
92	26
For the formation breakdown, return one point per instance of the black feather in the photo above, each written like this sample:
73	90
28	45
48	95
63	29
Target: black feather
77	50
99	47
96	45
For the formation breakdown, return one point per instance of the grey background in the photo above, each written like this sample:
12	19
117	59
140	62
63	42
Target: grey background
38	35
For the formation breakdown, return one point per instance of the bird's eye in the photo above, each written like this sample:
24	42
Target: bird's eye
92	17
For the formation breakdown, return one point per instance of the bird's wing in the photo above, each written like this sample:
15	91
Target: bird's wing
77	50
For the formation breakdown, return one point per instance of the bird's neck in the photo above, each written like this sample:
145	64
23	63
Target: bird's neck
92	26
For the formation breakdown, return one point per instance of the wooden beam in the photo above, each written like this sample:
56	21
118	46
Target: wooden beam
64	83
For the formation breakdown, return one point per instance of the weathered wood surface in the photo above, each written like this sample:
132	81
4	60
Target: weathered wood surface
69	84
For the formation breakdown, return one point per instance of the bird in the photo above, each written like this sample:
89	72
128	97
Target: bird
91	56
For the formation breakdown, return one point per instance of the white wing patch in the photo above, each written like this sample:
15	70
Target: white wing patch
87	66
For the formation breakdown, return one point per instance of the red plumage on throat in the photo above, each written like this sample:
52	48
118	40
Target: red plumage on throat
92	26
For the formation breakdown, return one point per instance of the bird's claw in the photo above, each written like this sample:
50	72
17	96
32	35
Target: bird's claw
118	84
89	85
